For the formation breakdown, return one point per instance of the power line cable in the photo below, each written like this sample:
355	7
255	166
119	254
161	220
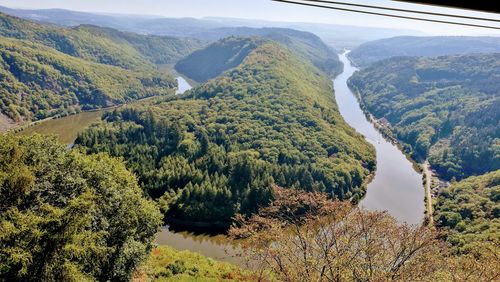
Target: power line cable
403	10
386	15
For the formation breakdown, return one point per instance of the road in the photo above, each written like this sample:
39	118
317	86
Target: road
428	197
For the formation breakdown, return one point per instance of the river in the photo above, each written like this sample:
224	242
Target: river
183	85
396	187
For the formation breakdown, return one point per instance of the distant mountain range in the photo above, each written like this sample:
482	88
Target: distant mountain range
432	46
339	36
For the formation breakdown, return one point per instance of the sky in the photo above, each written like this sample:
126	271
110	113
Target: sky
264	10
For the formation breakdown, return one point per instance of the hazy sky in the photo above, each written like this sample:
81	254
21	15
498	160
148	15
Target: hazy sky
259	9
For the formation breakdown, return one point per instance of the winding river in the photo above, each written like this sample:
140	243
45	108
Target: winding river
396	187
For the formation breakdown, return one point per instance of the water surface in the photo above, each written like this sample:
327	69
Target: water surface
183	85
396	187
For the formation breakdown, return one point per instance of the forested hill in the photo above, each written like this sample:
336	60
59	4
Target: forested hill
433	46
445	108
305	44
217	150
216	58
38	82
101	45
49	70
222	55
470	209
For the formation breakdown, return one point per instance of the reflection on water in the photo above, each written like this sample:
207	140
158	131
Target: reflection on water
218	247
66	128
396	187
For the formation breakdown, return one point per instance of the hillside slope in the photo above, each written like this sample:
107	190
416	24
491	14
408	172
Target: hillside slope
445	108
217	150
101	45
216	58
38	82
470	209
229	52
302	43
433	46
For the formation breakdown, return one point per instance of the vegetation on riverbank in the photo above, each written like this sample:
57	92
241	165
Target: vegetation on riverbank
216	150
167	264
47	70
39	82
445	108
470	211
305	236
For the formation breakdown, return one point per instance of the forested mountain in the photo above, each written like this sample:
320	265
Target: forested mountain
305	44
38	82
217	58
434	46
471	210
222	55
217	150
101	45
50	70
334	34
445	108
65	216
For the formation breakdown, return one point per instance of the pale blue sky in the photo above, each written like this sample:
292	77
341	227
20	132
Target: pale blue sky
258	9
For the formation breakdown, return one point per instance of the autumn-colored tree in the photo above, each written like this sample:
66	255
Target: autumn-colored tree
306	237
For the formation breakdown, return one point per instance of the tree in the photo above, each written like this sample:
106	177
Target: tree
306	237
65	216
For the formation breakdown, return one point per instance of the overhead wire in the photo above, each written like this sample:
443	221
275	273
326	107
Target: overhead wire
402	10
384	14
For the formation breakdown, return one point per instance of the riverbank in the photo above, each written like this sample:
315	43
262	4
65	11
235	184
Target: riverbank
423	167
22	127
397	184
427	183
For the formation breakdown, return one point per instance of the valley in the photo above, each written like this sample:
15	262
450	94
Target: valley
144	148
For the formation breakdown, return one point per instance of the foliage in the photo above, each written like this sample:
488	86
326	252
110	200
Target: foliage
470	209
156	49
434	46
335	241
101	45
229	52
446	108
65	216
216	151
167	264
216	58
305	44
39	82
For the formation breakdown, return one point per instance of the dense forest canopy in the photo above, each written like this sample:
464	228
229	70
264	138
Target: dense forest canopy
431	46
305	44
102	45
216	58
470	209
49	70
66	216
217	150
445	108
229	52
38	82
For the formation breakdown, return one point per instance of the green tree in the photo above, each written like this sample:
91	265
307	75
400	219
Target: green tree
65	216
